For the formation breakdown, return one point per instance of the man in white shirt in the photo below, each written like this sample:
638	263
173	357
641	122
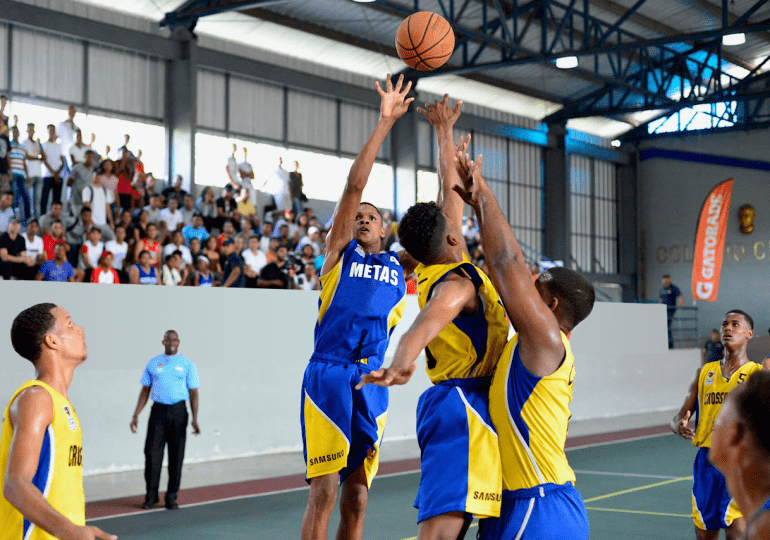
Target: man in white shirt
177	244
119	249
34	167
171	216
67	129
78	150
232	170
34	243
98	199
53	159
247	174
253	262
91	252
6	210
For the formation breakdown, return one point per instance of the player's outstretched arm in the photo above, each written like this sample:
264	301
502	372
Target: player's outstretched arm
394	104
30	415
680	422
540	345
443	117
449	298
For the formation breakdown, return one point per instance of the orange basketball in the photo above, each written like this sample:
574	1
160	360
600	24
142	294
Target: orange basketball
425	41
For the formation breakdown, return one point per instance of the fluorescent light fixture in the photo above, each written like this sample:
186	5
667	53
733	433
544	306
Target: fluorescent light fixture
567	62
733	39
363	1
615	143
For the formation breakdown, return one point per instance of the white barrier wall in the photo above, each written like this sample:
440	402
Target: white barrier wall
251	348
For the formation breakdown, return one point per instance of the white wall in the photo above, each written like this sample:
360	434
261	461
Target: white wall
251	348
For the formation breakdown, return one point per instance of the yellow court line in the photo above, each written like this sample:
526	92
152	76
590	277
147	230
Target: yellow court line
415	538
640	488
637	512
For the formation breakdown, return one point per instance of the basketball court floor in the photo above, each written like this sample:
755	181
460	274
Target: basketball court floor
636	484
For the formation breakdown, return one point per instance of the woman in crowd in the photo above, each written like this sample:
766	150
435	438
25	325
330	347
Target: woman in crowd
109	180
124	168
143	272
740	449
207	206
139	227
150	245
195	250
212	254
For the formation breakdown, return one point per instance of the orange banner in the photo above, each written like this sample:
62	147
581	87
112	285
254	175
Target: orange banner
710	242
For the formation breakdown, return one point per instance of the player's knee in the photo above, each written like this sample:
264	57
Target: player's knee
354	500
323	495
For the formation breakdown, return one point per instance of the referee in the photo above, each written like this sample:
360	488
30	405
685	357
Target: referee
173	379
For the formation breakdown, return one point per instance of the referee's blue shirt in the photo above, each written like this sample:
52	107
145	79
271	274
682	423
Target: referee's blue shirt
171	378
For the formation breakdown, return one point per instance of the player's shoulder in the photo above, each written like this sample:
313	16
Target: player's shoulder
32	403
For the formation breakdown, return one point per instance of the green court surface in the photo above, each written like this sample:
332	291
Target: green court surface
633	489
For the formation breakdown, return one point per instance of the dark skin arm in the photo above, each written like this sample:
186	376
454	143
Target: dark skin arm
194	407
679	424
232	277
760	528
30	415
450	298
133	276
443	117
144	395
394	105
540	336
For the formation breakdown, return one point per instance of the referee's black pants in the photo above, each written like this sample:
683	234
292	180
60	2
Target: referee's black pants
168	426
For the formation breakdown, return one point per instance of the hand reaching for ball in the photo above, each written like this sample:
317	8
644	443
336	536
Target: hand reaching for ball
394	101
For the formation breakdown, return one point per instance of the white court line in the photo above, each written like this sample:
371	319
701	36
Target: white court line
633	475
630	439
290	490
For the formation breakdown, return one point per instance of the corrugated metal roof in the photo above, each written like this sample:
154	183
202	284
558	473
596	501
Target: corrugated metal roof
282	40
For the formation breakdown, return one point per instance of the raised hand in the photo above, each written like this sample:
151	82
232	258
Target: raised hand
460	148
473	181
394	101
440	114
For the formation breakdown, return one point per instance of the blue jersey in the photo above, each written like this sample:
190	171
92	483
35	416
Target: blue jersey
362	300
148	278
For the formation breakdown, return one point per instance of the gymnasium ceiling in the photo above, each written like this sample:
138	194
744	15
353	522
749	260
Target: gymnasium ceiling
638	59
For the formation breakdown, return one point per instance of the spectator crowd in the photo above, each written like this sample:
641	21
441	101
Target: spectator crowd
69	212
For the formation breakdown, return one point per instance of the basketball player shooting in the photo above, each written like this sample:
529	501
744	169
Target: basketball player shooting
363	294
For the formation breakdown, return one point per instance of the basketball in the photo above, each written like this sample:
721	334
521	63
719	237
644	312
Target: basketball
425	41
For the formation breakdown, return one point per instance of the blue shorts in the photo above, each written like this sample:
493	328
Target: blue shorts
712	506
547	512
460	457
341	427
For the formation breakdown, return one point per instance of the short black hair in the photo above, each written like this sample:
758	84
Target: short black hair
573	289
33	220
745	316
753	404
666	276
373	206
85	210
29	328
421	231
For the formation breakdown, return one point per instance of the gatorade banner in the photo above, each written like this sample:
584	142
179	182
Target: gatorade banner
710	242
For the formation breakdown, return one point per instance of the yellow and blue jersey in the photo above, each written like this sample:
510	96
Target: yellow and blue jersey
531	416
713	388
469	346
59	475
362	299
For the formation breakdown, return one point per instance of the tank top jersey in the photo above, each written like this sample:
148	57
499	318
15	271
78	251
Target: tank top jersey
362	299
205	281
59	475
713	388
469	346
531	416
153	249
148	278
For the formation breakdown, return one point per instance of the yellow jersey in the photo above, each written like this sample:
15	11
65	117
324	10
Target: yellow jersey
713	388
531	416
469	346
59	475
